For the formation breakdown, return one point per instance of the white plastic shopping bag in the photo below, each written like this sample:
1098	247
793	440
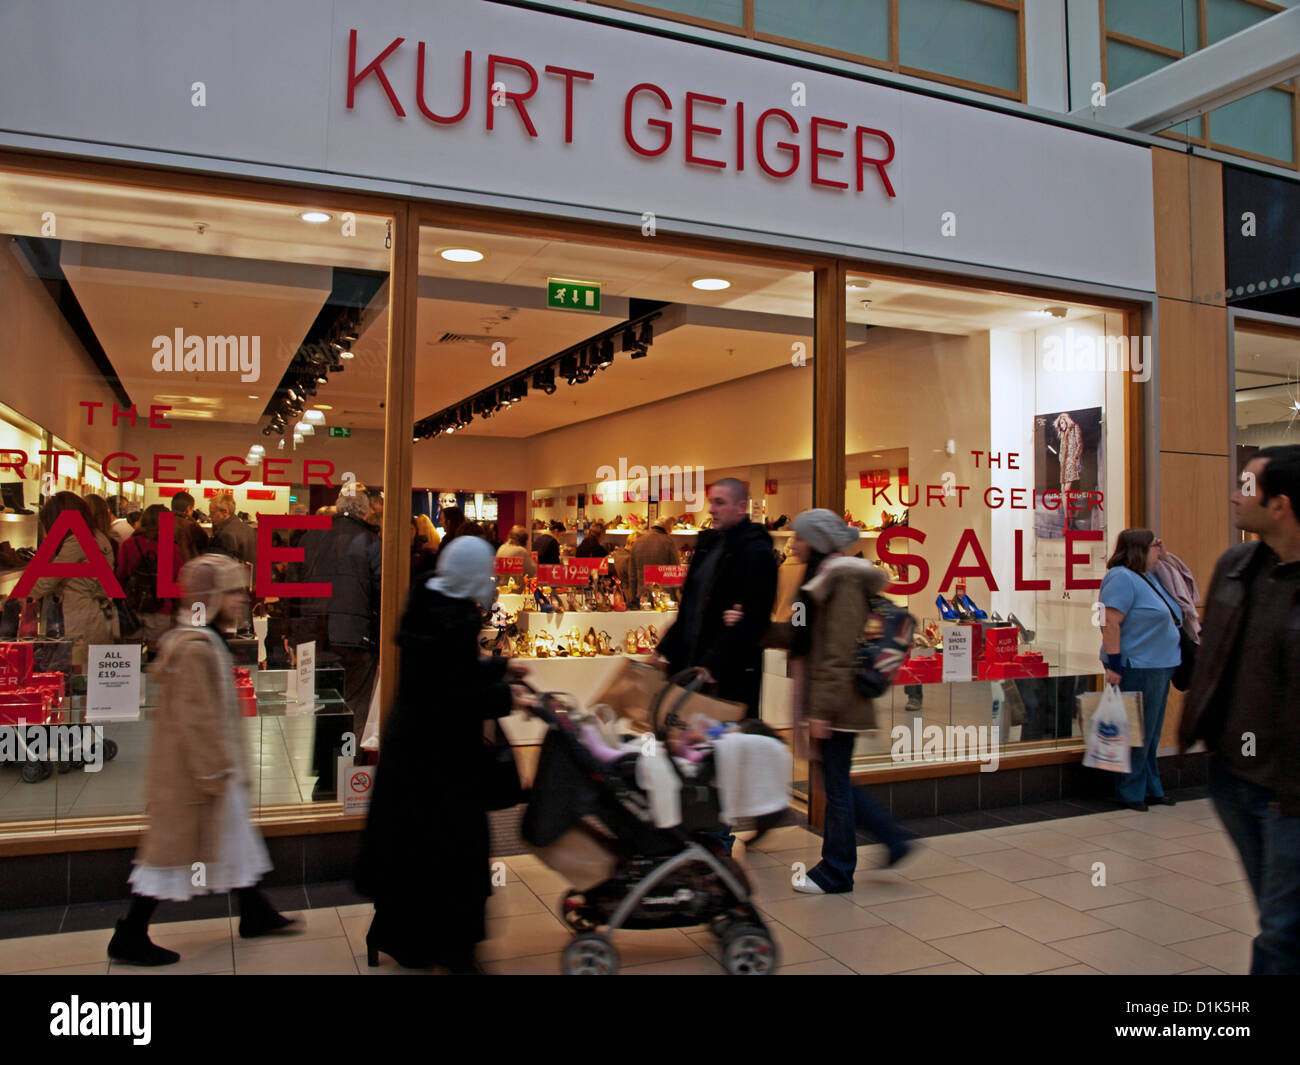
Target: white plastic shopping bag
1108	734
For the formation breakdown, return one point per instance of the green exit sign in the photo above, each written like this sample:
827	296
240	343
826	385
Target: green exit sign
340	430
572	295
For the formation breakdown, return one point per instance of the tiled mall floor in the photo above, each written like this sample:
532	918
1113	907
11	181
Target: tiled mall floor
1015	899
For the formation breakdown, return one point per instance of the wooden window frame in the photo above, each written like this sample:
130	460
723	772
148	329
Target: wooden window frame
1206	139
1020	93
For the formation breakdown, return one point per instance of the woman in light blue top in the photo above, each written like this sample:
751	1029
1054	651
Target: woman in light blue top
1139	634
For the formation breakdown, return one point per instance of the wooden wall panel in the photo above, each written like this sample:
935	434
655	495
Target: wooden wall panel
1194	400
1206	217
1172	210
1194	518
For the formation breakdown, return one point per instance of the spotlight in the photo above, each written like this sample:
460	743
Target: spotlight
304	429
606	353
629	340
544	379
314	417
349	335
569	369
321	379
647	336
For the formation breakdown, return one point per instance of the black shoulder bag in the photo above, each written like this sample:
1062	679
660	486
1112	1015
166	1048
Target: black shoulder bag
1187	647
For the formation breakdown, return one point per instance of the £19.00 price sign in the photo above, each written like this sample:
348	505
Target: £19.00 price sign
575	571
502	566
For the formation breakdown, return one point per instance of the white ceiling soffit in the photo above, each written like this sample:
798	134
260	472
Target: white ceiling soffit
131	296
1248	62
96	213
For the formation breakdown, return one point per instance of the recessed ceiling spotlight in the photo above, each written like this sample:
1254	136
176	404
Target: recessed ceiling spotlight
254	397
346	355
858	285
324	406
314	417
461	255
315	216
710	284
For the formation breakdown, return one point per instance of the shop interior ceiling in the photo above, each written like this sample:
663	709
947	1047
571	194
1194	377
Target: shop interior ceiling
1268	378
277	279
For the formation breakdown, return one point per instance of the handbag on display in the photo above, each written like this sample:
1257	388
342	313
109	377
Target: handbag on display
501	787
1187	647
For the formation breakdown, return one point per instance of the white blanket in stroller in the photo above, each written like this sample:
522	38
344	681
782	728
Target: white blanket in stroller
753	775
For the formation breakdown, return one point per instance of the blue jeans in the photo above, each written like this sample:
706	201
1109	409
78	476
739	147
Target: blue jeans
1143	780
1269	845
848	807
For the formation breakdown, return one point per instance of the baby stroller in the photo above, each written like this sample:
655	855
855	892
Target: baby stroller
661	877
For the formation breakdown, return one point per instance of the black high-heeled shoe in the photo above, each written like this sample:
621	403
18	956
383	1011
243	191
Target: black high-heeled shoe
136	948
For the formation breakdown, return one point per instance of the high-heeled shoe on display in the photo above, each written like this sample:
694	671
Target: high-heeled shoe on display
617	600
652	636
946	610
643	642
975	611
590	644
963	613
630	641
543	603
607	645
1028	634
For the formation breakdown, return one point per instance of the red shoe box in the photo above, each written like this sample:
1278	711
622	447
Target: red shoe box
246	692
920	670
1014	670
30	705
1001	643
15	664
54	683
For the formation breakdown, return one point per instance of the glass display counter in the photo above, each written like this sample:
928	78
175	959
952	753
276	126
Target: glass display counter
66	769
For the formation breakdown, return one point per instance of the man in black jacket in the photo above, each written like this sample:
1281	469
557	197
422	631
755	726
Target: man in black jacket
1244	699
346	625
733	572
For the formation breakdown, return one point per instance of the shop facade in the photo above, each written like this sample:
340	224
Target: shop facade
991	340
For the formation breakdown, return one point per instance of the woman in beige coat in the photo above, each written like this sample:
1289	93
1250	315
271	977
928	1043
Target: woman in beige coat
89	615
821	637
200	837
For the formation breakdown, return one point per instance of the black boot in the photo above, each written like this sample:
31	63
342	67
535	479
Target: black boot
134	947
257	917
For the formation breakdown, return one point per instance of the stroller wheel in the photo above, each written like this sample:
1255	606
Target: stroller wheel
748	950
34	771
590	954
110	750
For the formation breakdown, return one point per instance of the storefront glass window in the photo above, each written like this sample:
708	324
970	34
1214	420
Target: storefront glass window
1223	18
1260	124
579	395
963	39
857	26
1168	23
197	374
986	470
1266	391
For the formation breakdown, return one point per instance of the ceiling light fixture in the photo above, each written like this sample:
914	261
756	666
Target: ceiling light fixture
315	217
710	284
461	255
314	417
324	406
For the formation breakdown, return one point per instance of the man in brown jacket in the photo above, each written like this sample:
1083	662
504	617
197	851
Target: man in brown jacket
655	548
190	538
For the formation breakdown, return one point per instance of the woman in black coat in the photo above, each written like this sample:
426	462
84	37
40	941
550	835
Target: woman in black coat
424	855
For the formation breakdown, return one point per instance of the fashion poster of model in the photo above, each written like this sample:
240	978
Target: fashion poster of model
1067	465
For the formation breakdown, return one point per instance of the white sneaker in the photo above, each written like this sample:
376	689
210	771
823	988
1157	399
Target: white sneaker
809	886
